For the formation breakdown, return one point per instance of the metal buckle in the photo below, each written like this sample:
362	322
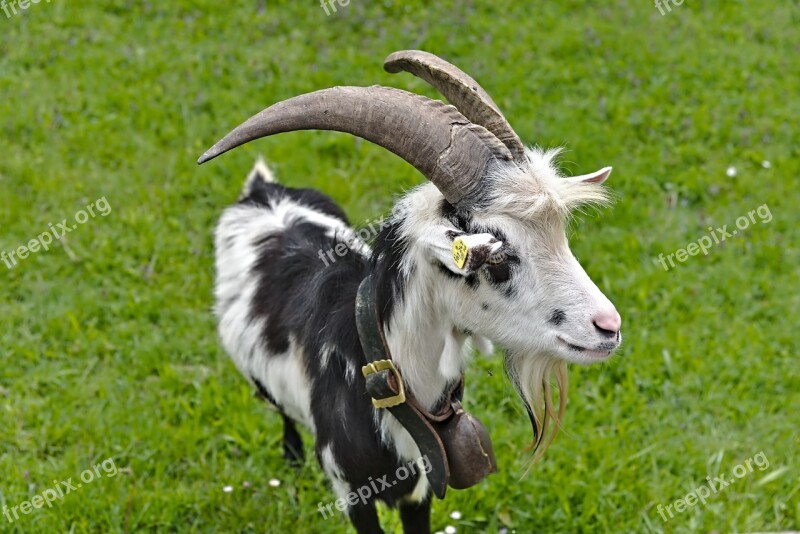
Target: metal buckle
386	365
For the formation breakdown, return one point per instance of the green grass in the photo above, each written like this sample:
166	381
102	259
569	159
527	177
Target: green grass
109	347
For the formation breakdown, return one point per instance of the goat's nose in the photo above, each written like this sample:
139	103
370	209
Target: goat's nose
608	322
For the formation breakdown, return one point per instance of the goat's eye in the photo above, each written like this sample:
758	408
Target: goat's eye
498	270
499	265
497	258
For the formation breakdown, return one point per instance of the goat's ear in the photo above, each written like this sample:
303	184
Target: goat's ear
596	177
460	253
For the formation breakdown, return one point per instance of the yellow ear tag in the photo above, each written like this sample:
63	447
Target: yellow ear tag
460	252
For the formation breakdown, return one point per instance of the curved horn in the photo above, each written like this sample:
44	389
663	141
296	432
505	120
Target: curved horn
430	135
461	90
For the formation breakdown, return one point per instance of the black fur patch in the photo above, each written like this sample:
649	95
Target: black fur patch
390	249
292	443
472	280
270	298
458	218
261	192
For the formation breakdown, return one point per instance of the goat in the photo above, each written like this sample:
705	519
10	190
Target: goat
288	320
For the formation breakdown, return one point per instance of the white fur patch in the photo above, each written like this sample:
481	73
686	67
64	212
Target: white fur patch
260	171
526	194
325	356
334	472
350	372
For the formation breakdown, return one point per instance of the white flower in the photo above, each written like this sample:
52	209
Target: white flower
227	489
274	482
449	529
766	164
731	172
455	515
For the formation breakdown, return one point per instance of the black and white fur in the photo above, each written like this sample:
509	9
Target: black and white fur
288	319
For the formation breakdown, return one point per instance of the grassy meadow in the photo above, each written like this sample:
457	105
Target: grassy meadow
108	348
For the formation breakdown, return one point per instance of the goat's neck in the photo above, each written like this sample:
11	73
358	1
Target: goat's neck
426	346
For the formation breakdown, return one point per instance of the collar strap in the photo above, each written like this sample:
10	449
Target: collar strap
386	387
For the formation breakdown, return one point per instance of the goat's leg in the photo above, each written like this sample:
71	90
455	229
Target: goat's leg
365	518
416	516
292	443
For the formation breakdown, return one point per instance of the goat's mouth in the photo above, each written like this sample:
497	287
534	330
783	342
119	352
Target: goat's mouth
600	352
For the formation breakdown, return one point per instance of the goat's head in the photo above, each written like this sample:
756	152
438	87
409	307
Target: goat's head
493	232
